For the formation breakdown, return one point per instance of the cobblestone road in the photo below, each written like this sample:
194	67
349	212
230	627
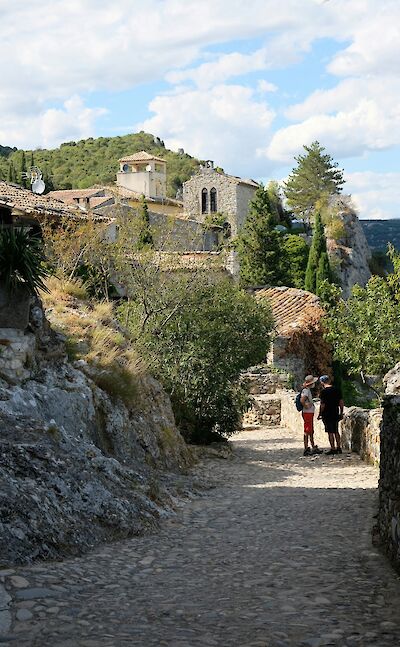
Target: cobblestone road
277	553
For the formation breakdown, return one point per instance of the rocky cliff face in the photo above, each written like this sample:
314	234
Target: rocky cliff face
348	250
76	466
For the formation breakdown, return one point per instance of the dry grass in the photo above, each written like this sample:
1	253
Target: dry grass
93	335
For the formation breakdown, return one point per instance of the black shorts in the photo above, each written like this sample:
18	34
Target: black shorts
331	426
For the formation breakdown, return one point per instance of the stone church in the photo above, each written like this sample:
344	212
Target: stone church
210	191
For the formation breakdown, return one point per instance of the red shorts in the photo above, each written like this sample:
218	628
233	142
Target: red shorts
308	422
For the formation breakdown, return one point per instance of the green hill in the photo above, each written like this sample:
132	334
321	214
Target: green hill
381	232
78	165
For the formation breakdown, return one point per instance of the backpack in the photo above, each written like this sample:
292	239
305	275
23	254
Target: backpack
297	401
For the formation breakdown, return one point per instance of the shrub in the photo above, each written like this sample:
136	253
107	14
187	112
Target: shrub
198	345
22	261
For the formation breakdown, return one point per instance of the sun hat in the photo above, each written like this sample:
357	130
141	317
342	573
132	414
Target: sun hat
324	379
309	380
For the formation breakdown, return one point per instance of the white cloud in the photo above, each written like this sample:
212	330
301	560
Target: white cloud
264	86
224	124
376	195
51	127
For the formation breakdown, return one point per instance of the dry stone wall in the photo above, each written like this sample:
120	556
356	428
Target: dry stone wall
360	430
388	525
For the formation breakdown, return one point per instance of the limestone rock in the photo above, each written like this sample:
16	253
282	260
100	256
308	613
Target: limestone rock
349	254
392	381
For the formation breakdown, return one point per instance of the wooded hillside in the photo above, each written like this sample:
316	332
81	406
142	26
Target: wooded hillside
93	161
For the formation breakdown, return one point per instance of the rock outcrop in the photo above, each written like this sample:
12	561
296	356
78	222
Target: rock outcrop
77	466
348	250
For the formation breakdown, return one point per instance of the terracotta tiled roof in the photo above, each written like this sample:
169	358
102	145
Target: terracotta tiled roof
70	196
25	201
99	201
142	156
290	307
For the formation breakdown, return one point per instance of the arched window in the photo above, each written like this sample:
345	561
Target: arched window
213	200
204	201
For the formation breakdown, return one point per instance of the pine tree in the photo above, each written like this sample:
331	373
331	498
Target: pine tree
318	248
258	244
316	174
145	238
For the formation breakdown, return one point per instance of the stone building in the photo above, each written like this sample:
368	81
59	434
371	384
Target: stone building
143	173
209	192
297	345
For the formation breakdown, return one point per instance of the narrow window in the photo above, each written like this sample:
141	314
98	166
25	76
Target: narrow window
213	200
204	201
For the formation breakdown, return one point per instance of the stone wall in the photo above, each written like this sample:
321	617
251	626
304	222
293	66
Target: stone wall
266	403
265	411
360	430
207	179
388	523
244	193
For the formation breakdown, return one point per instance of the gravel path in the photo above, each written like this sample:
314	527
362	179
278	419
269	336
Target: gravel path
276	553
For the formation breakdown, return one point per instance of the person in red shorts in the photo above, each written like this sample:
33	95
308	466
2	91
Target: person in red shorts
308	416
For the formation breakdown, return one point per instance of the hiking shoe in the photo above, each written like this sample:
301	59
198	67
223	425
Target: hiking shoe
339	450
317	450
307	452
331	452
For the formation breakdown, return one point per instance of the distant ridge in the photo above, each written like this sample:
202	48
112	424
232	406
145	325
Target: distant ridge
381	232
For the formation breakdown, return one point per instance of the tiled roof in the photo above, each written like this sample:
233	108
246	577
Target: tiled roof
142	156
71	195
239	180
290	307
15	197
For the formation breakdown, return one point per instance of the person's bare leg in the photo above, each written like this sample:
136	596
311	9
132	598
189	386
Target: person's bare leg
312	440
332	440
305	441
337	438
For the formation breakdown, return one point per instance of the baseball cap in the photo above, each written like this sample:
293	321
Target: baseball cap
324	379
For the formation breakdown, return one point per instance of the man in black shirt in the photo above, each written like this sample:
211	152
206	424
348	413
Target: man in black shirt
331	411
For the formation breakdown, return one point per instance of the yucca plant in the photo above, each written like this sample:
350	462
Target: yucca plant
22	261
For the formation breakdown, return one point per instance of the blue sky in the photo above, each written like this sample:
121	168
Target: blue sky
245	84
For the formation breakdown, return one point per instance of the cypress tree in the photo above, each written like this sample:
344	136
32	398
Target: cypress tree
258	244
323	272
145	238
12	176
317	251
23	179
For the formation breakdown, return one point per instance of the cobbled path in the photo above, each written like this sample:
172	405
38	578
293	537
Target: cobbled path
276	553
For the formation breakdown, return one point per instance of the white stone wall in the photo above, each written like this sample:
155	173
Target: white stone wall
149	183
17	349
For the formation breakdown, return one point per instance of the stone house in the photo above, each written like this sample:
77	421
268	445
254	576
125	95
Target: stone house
144	174
209	192
84	198
297	345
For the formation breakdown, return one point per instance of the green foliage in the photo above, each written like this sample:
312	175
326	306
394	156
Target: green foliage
278	211
145	238
365	329
95	161
393	278
22	180
294	259
22	261
11	174
258	244
316	174
317	271
199	336
323	272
